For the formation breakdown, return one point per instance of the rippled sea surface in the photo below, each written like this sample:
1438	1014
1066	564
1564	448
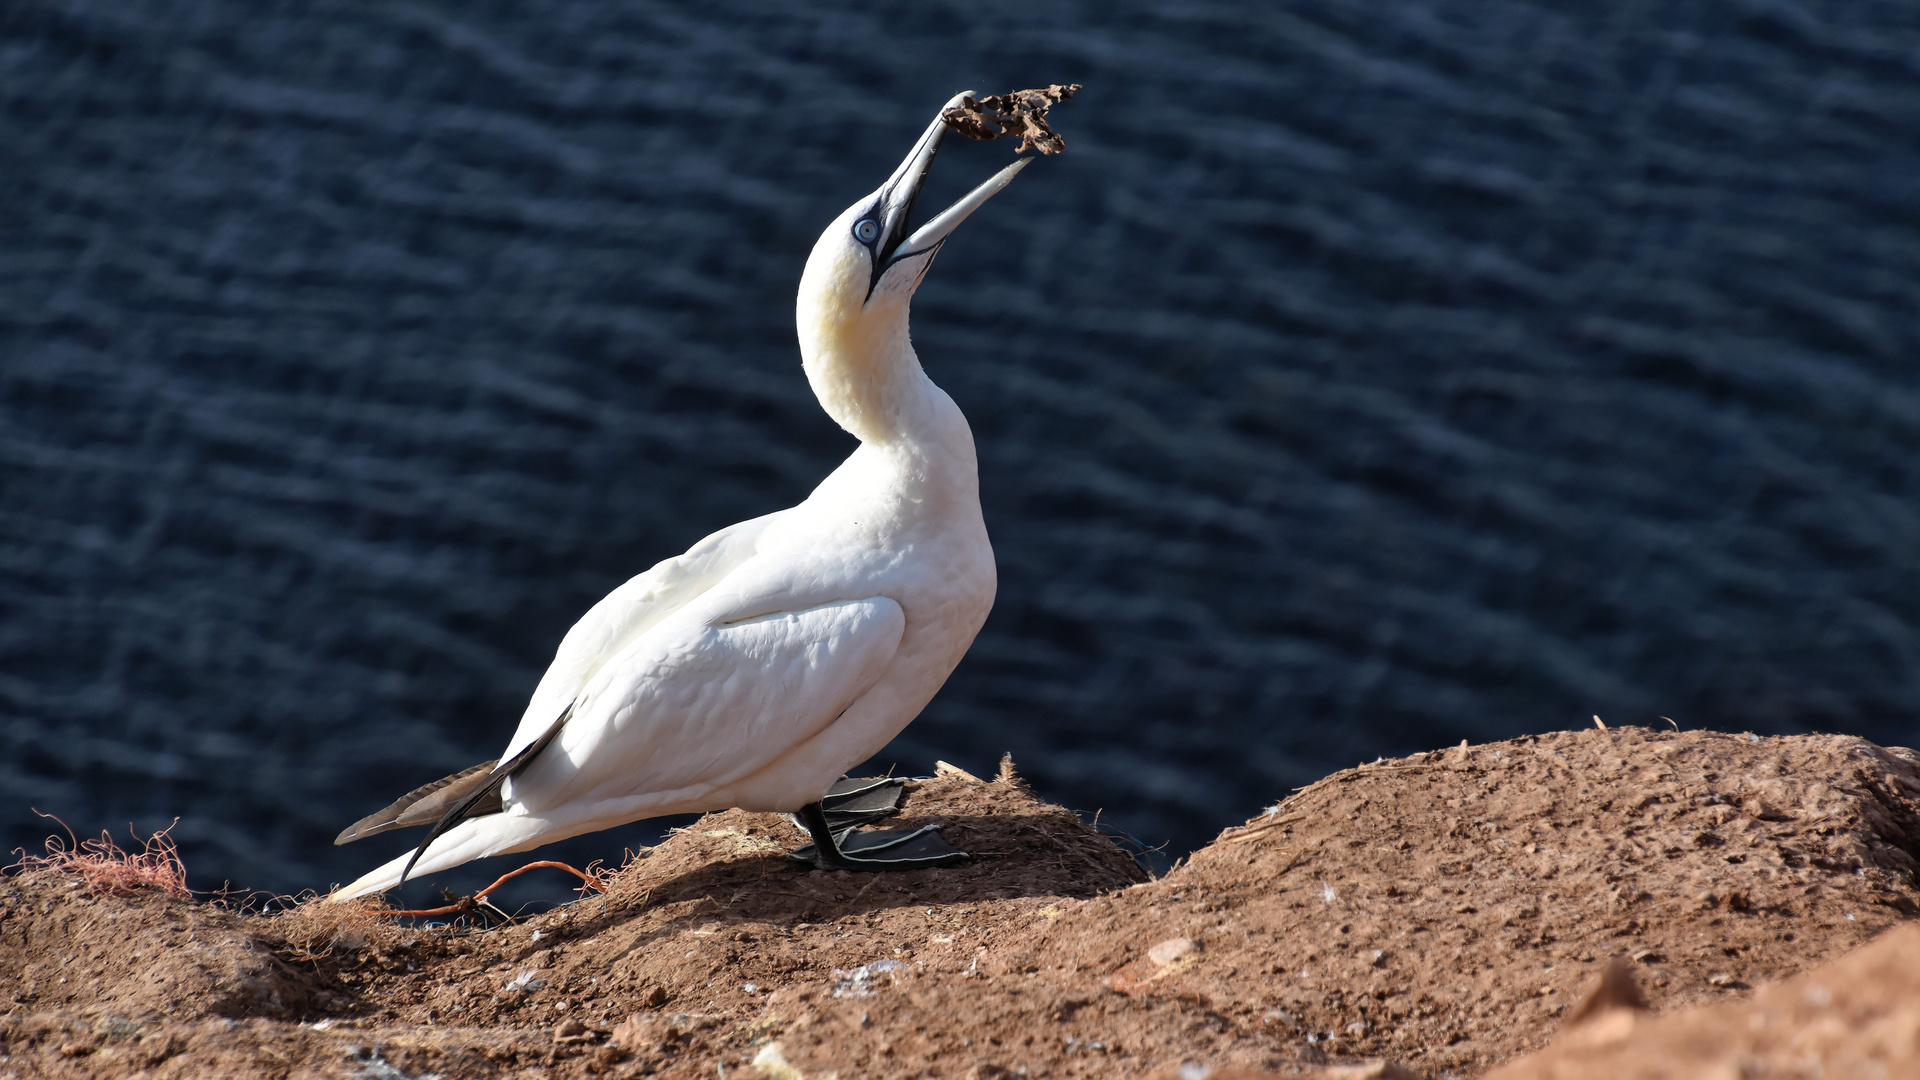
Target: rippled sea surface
1368	375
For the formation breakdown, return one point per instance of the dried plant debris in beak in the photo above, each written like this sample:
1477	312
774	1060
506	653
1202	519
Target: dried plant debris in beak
1022	113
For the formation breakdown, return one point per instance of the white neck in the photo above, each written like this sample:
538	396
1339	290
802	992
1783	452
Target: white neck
861	364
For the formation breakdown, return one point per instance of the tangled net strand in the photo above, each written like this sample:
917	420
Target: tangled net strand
108	869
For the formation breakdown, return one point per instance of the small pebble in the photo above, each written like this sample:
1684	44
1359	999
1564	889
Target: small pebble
1166	952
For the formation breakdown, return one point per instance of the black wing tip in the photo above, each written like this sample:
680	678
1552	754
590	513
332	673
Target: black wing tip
365	827
498	774
395	815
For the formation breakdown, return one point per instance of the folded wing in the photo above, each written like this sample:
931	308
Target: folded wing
682	711
627	613
702	706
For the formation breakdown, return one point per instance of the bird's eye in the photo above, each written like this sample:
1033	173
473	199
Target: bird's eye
867	230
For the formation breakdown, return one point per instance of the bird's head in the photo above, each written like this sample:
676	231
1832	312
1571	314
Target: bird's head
864	268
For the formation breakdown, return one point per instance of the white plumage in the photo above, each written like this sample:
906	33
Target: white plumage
775	654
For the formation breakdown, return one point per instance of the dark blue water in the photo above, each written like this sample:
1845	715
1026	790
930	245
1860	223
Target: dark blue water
1367	375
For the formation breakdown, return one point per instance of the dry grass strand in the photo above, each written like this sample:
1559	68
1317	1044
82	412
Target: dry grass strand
312	927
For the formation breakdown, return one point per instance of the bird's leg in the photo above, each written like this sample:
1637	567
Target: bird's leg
852	802
875	849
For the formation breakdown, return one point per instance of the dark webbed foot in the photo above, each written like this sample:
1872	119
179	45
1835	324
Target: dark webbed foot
839	845
861	802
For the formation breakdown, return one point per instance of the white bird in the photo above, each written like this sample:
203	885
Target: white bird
774	655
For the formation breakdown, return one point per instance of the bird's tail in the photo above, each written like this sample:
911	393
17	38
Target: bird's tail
471	839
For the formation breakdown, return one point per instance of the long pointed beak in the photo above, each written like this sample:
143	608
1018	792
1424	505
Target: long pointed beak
928	237
903	187
897	195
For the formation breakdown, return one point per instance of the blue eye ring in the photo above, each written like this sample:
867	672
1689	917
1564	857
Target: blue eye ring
866	230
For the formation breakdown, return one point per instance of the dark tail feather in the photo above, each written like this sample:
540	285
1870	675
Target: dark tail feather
485	798
421	806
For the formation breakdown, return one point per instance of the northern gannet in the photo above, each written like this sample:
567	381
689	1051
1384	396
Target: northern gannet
774	655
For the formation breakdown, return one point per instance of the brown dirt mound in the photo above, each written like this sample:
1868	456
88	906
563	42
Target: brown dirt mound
1443	909
1439	910
142	957
1856	1017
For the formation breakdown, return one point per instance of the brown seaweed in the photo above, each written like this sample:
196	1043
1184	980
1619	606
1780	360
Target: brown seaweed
1021	113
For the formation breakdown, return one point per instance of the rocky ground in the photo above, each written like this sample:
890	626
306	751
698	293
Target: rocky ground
1445	913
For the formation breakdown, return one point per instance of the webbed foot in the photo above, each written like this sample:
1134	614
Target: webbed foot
839	845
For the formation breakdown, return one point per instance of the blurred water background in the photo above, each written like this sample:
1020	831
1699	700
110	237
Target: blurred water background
1368	375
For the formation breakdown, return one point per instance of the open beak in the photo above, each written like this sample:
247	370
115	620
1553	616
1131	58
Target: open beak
900	190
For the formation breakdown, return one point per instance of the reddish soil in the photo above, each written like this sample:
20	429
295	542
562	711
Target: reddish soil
1440	912
1856	1017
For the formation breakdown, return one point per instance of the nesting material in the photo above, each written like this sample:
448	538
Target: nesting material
1021	113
